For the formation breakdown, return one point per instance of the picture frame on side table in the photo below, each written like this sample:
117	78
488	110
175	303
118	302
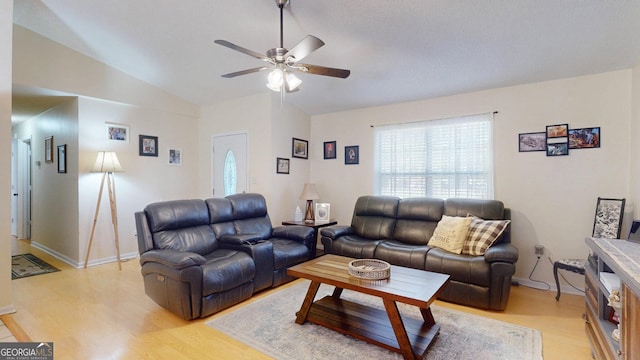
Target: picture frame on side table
323	212
329	150
534	141
48	149
175	157
351	155
585	138
148	145
117	132
282	166
62	159
299	148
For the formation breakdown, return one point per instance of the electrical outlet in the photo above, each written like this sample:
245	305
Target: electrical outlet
539	249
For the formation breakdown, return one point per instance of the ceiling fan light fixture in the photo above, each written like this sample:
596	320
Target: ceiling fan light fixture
292	81
275	79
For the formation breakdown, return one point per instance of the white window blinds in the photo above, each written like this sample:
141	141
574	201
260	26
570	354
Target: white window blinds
449	158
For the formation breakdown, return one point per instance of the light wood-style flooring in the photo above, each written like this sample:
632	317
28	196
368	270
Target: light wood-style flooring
103	313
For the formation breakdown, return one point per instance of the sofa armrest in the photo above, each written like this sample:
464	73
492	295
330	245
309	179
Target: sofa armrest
294	232
505	252
173	259
336	231
240	239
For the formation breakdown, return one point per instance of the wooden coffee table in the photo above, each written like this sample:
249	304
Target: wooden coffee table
407	336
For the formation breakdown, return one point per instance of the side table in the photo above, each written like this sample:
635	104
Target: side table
315	225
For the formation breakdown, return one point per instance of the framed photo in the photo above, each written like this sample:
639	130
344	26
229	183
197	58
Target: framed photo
323	211
300	148
351	155
175	157
608	220
62	159
556	131
117	132
585	138
535	141
282	166
329	150
148	145
48	149
558	149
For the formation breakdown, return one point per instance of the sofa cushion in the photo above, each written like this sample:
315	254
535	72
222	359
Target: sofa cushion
354	246
451	233
417	219
482	234
374	217
226	269
398	253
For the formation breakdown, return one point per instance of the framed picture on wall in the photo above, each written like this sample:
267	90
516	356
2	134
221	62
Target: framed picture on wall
557	131
175	157
585	138
62	159
148	145
351	155
300	148
48	149
282	166
535	141
329	150
117	132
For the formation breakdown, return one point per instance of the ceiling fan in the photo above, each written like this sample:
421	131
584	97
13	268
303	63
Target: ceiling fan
284	61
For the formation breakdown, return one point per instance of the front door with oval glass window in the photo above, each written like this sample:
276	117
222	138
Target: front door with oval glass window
229	174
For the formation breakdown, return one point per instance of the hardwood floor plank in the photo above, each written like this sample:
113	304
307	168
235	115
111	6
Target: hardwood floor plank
101	312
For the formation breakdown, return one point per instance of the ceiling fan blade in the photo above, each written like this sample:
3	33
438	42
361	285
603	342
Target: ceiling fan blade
305	47
242	50
321	70
244	72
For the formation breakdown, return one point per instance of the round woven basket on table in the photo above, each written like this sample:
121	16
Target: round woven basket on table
370	269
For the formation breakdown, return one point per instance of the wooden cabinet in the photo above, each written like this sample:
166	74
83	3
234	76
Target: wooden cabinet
613	257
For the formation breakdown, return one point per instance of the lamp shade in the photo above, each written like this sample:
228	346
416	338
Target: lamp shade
309	192
107	161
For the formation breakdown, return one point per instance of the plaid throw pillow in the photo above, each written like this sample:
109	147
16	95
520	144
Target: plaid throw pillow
482	234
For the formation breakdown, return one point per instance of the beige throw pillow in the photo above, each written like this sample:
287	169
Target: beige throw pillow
450	233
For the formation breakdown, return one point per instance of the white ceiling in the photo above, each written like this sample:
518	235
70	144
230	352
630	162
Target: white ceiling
397	51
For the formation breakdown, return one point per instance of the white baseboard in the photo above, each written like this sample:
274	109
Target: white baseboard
552	287
79	265
7	310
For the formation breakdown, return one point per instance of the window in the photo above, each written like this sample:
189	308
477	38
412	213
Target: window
449	158
230	174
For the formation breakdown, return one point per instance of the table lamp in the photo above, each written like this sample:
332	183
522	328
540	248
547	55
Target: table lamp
309	193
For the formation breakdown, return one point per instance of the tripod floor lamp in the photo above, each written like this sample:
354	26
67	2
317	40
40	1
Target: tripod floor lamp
106	163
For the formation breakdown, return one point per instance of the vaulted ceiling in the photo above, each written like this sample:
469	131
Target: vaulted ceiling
396	50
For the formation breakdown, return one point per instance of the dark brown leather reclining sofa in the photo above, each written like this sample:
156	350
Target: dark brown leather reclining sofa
398	230
201	256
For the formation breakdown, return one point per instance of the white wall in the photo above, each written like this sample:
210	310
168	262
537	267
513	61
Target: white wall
104	95
552	198
6	20
54	212
270	128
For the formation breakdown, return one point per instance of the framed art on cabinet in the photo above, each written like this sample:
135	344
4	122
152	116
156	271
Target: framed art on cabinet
148	145
282	166
323	212
300	148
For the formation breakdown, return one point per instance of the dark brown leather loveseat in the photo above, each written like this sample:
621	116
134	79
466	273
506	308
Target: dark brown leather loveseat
201	256
398	230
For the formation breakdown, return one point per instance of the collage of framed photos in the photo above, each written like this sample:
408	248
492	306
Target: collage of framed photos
300	150
558	139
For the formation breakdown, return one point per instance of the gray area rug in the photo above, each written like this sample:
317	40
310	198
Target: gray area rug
26	265
268	325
